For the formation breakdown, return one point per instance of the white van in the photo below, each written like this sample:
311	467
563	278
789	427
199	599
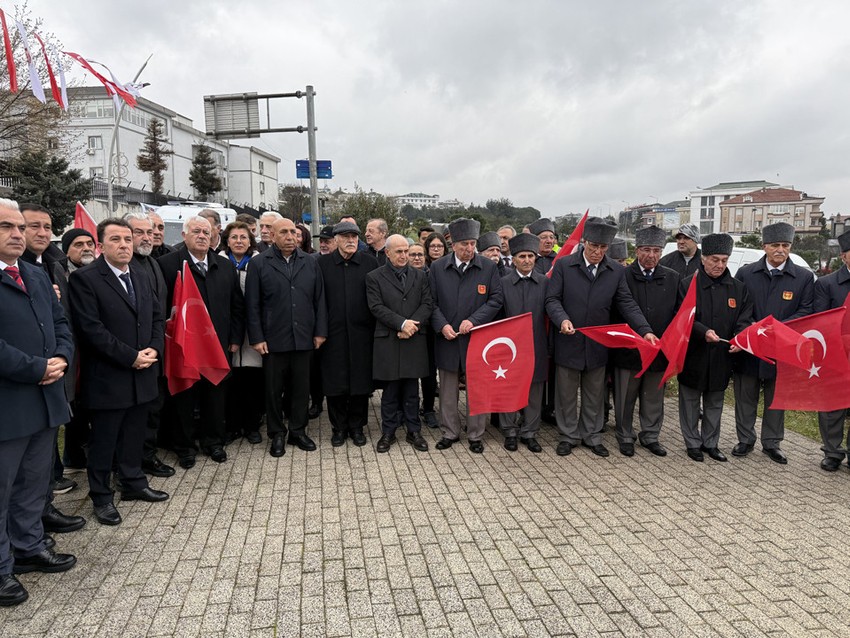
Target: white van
742	256
173	215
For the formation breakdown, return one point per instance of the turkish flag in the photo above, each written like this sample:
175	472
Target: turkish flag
823	386
192	348
621	335
571	243
772	341
674	341
500	365
82	219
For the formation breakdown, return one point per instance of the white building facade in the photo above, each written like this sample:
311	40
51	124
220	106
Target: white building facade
705	202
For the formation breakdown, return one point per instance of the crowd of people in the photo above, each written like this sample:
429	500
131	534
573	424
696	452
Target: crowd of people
82	341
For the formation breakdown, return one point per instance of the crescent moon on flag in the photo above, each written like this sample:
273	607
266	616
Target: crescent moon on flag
615	333
817	335
185	308
505	340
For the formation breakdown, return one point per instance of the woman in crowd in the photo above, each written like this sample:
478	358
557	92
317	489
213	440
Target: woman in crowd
435	247
305	240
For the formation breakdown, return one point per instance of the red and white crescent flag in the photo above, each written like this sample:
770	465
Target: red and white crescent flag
35	80
500	365
571	243
621	335
82	219
771	340
10	57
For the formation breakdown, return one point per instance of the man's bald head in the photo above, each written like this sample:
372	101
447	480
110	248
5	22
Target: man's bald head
283	233
396	249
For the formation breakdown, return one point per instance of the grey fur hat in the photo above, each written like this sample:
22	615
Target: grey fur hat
689	230
488	240
717	244
778	232
599	232
618	250
346	227
463	229
524	242
650	236
541	226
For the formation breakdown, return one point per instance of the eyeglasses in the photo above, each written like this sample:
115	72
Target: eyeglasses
417	255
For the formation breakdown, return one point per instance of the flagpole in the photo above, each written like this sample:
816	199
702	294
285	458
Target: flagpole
113	144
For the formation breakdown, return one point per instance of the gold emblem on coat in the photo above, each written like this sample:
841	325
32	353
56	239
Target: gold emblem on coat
787	295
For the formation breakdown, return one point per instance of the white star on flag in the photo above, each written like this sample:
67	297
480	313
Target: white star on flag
500	373
813	371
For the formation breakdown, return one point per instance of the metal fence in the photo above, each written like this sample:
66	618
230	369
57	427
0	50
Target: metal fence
128	194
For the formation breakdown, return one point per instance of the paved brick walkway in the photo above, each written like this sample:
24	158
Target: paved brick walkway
344	541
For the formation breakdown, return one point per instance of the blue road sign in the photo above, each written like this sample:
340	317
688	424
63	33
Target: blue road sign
323	169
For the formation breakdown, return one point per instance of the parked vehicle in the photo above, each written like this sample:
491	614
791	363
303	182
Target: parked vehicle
742	256
174	215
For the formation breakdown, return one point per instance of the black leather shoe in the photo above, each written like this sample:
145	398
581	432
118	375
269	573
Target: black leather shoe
148	494
49	543
385	443
445	444
217	454
155	467
302	442
63	485
656	448
358	438
230	437
598	449
714	453
253	437
742	449
830	464
107	514
532	445
277	448
417	441
511	444
46	561
627	449
187	462
776	455
564	448
338	438
11	591
55	522
695	454
476	446
314	411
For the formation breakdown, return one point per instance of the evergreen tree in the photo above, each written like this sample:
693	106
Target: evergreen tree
202	175
153	158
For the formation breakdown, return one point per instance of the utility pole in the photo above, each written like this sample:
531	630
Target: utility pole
315	219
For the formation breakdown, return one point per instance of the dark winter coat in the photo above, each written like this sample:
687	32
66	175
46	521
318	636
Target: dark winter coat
832	290
521	296
676	262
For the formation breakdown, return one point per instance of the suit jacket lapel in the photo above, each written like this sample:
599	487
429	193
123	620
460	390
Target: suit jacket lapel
116	285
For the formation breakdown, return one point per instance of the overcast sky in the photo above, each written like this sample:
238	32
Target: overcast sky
560	105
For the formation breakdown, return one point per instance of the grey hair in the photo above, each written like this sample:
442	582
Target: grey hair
9	204
271	213
142	217
195	218
382	224
510	228
211	213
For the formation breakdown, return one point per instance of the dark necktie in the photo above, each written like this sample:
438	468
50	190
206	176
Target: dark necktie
647	274
462	268
402	276
15	274
131	293
507	262
591	270
775	272
203	268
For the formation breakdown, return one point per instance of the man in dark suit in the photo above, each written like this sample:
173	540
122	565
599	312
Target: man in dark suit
287	320
346	357
467	292
120	333
400	299
830	292
524	290
782	289
218	284
585	287
35	349
654	289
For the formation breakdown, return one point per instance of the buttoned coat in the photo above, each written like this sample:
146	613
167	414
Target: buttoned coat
346	357
475	295
657	301
392	304
588	301
722	305
110	333
520	297
787	296
33	329
286	304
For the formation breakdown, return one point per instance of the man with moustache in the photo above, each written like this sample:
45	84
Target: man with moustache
78	245
160	248
545	231
327	241
120	332
218	284
287	320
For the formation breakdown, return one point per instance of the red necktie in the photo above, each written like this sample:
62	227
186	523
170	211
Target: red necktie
15	274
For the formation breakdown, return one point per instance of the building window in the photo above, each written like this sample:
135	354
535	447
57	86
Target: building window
96	171
262	168
799	210
798	223
95	142
262	189
706	228
52	143
780	209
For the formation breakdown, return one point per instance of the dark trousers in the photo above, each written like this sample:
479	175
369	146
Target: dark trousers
287	373
400	399
154	420
211	399
348	412
76	437
429	391
24	474
317	395
118	435
245	400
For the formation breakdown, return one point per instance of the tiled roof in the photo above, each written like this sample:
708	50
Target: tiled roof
726	186
769	196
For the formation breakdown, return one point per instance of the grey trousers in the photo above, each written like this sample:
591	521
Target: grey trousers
449	414
831	426
712	409
531	412
627	390
746	404
592	384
